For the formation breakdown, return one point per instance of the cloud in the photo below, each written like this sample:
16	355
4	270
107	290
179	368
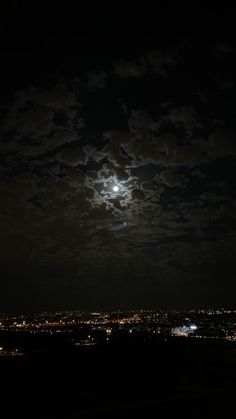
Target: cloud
161	62
73	157
140	123
121	174
145	152
187	154
58	98
75	177
31	107
36	121
96	80
221	143
17	191
213	198
147	145
50	142
165	149
126	69
226	84
172	178
186	116
221	49
138	194
113	150
119	137
40	120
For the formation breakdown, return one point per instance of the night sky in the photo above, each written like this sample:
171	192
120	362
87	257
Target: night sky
91	101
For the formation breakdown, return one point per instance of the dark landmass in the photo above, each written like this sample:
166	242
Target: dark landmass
137	376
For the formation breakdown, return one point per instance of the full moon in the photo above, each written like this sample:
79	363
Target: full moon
115	188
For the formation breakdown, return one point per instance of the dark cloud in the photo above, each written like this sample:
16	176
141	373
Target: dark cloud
96	80
162	62
221	143
125	69
172	178
73	157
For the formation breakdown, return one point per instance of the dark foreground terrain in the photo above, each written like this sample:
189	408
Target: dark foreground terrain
190	377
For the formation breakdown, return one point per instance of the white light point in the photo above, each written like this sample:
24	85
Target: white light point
115	188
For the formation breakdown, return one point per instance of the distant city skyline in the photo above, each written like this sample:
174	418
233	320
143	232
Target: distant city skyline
90	328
